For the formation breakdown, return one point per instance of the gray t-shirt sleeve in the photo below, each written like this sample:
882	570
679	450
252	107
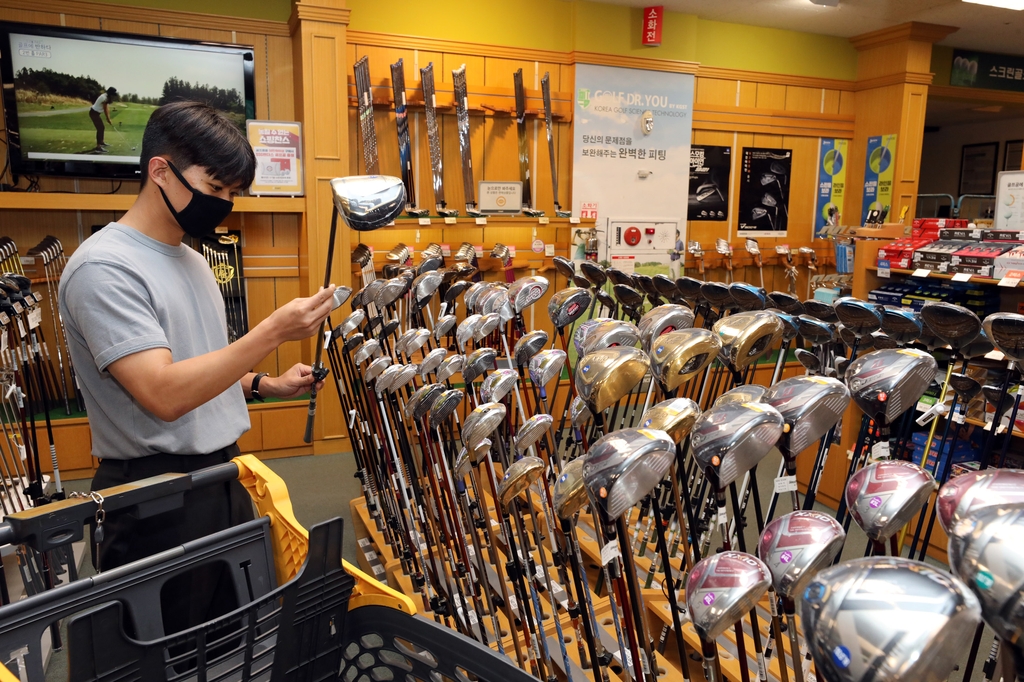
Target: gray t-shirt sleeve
117	322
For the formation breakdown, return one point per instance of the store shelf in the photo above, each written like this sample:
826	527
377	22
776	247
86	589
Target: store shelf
978	422
71	201
939	275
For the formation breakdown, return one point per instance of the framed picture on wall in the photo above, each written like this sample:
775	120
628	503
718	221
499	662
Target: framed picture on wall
978	168
1012	154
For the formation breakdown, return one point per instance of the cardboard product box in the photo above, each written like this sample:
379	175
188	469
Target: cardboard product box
971	232
1002	235
924	226
901	249
979	270
1010	260
940	251
979	254
964	468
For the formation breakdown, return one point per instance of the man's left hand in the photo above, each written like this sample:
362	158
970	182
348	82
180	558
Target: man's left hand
291	384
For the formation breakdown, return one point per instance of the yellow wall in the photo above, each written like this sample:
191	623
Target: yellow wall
276	10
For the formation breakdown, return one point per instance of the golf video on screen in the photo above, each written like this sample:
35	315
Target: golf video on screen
89	100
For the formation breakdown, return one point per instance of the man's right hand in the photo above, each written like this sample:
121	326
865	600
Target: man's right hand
300	318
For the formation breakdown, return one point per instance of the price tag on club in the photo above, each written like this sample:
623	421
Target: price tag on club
35	318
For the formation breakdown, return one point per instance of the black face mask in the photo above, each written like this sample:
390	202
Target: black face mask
203	213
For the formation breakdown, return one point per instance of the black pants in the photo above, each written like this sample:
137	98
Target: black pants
127	538
97	121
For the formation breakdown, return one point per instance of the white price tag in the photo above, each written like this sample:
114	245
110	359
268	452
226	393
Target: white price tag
785	484
450	220
1008	281
880	450
21	448
481	221
609	553
21	328
921	272
549	250
424	221
543	220
513	603
722	517
962	277
3	341
364	542
959	418
574	220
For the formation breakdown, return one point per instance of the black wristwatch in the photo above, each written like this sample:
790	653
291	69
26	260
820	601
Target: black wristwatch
255	390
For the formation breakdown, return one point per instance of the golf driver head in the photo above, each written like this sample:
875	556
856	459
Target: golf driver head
722	589
732	438
992	395
882	341
986	551
1006	332
859	317
565	267
581	282
748	393
528	345
479	362
519	476
594	273
432	361
790	325
901	325
526	291
443	407
610	334
450	366
628	297
667	288
444	324
569	494
623	467
498	384
664	319
747	336
810	361
675	417
952	324
568	305
967	387
798	545
689	288
579	338
820	310
605	299
814	330
532	430
455	290
681	355
481	423
787	303
717	294
491	299
422	400
887	618
976	490
980	346
748	296
367	202
810	406
546	365
884	496
579	413
885	383
616	276
605	376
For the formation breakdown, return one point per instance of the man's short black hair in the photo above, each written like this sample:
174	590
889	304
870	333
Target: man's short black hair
196	134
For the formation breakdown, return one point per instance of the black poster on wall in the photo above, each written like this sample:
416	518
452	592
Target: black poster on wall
709	182
764	192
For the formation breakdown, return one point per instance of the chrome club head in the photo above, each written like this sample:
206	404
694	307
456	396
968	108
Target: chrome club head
579	413
814	330
488	323
820	310
663	320
884	383
367	202
748	296
611	333
579	338
425	286
391	291
624	466
341	294
432	361
748	393
731	439
723	588
675	417
1006	331
747	336
481	423
526	291
466	329
787	303
475	290
569	494
568	305
798	545
385	378
986	551
886	618
975	490
450	366
810	406
681	355
605	376
952	324
411	341
519	476
369	349
860	317
479	362
404	376
546	365
498	384
444	324
884	496
422	400
352	321
532	430
528	345
444	406
375	368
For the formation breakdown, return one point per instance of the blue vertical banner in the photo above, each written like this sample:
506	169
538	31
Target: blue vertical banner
879	171
831	183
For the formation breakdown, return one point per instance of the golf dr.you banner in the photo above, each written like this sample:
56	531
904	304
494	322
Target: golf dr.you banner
879	170
831	183
764	192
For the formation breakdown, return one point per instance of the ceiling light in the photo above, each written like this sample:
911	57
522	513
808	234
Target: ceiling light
826	3
1004	4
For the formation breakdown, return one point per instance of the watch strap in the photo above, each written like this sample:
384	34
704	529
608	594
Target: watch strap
254	391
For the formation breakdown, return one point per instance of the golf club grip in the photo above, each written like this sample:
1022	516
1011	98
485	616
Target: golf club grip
307	437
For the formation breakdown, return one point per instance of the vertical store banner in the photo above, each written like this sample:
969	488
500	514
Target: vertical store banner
831	183
879	169
631	157
653	18
709	182
764	192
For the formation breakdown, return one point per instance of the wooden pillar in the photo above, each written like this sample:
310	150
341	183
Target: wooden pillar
318	29
893	75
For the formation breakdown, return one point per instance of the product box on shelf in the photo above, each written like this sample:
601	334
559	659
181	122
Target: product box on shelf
979	255
971	232
1002	236
900	253
1010	260
979	270
938	252
922	227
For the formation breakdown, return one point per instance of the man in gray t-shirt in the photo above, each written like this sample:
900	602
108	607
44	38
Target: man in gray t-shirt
164	390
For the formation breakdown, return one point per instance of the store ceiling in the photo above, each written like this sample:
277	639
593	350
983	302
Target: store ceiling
945	112
982	28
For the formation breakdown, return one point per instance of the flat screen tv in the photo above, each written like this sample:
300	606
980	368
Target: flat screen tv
59	86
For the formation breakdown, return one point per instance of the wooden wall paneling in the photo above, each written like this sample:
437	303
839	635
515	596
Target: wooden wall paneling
280	74
29	16
803	99
286	289
832	102
261	299
192	33
771	96
387	142
715	91
501	159
381	59
748	94
475	68
79	21
499	72
120	26
847	103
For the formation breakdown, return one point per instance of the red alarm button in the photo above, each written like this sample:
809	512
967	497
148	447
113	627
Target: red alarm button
632	236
